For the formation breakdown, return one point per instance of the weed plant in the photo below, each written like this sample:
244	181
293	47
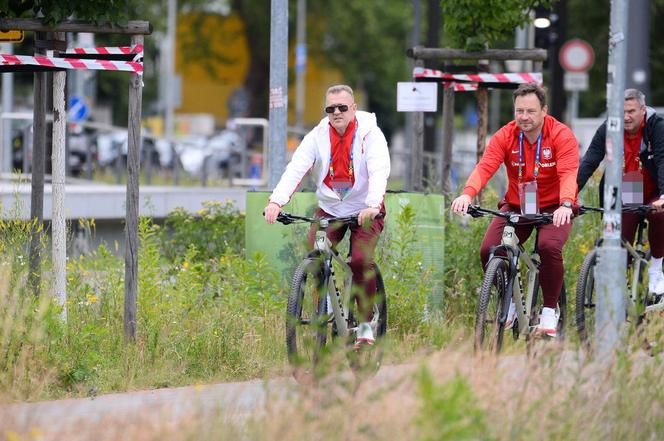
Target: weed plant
206	312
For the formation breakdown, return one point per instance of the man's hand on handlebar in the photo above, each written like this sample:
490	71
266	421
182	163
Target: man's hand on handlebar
562	216
271	212
367	215
460	204
658	205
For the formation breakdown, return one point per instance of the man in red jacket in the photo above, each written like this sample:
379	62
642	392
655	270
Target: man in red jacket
541	156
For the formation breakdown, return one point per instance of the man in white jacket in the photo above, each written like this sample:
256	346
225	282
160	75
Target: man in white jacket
353	162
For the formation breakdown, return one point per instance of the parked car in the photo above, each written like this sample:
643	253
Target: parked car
80	145
219	154
111	144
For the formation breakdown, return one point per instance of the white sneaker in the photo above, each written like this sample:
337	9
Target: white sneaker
656	281
511	315
364	335
548	323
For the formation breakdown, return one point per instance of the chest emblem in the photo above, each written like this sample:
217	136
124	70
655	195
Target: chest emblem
546	153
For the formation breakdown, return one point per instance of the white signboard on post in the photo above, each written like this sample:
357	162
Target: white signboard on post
417	97
576	81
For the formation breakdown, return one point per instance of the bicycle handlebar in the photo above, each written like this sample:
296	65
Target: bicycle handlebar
639	209
287	218
536	219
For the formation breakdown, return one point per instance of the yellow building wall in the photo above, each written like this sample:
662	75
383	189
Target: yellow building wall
208	92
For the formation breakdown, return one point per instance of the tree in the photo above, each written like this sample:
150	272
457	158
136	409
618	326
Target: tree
366	41
55	11
475	25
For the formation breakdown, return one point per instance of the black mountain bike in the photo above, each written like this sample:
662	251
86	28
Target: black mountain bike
503	282
318	306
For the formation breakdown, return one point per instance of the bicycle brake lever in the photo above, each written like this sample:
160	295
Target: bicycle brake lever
284	218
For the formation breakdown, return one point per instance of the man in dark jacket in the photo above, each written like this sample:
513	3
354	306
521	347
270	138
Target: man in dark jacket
643	175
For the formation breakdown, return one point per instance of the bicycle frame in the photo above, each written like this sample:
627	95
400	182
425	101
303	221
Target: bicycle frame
516	254
338	302
638	262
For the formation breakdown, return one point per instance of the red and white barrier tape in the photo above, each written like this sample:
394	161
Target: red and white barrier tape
461	87
72	63
122	50
514	78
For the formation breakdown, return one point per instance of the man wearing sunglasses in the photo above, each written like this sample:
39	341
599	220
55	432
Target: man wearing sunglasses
352	164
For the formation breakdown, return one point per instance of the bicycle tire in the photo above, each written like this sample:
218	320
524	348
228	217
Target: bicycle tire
380	308
306	314
381	305
585	298
562	313
490	307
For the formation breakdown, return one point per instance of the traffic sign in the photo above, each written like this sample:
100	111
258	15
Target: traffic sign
576	81
576	55
11	36
78	109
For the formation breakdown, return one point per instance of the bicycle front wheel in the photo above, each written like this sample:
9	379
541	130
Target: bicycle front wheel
586	298
488	328
306	314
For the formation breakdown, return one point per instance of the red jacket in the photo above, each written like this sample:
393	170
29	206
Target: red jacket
559	163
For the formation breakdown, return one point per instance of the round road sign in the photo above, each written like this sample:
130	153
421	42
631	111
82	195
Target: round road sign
576	56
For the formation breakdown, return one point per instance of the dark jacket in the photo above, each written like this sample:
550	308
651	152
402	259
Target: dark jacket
652	152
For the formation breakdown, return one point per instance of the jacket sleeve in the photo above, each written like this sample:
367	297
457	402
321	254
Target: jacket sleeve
378	166
593	157
567	152
658	152
303	159
493	157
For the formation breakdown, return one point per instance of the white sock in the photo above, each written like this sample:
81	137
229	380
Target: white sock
364	330
655	264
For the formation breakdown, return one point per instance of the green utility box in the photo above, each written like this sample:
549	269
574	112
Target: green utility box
284	245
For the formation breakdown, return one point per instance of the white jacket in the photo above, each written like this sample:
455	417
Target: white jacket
371	162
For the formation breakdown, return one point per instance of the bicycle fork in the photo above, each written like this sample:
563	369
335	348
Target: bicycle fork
336	302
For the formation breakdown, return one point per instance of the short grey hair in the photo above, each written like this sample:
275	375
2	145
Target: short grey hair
637	95
340	88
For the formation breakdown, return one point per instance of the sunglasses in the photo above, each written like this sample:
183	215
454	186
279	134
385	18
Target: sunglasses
342	108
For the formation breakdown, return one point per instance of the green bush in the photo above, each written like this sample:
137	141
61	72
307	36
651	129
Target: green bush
215	228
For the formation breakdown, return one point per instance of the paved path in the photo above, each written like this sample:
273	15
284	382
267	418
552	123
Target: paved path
127	415
150	414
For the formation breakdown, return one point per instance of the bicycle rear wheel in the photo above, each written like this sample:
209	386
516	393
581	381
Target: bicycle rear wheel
562	313
488	329
585	298
306	314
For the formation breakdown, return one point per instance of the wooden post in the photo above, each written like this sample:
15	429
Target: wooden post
416	162
38	163
59	233
448	136
133	171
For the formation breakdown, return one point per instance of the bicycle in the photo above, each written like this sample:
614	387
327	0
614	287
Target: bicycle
638	300
503	275
317	306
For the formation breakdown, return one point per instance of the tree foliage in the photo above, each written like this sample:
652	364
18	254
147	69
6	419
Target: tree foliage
367	42
475	25
55	11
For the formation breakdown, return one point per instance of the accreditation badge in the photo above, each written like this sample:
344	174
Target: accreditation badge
632	188
528	197
342	187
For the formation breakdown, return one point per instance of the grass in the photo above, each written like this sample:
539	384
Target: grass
207	314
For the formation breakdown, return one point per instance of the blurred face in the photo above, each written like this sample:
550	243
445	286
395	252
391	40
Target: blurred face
529	113
336	102
634	114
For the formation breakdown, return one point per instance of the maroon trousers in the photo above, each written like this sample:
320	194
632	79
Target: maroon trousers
550	244
630	223
363	242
